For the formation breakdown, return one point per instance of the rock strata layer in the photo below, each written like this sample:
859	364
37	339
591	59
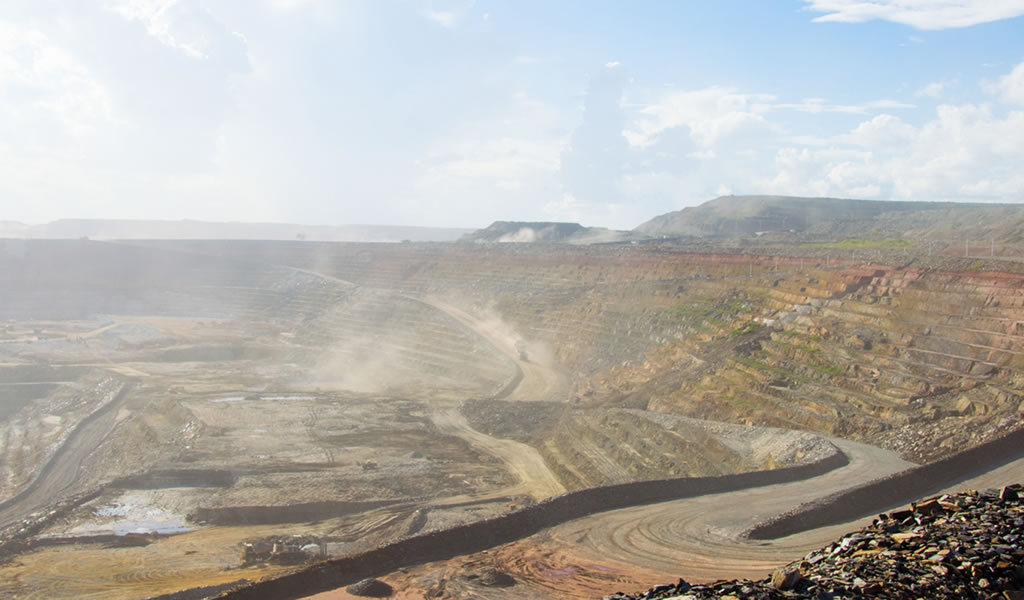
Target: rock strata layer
967	545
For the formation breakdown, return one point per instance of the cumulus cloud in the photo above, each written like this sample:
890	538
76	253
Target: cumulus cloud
966	152
884	132
935	89
163	20
711	115
690	143
447	13
921	14
1010	87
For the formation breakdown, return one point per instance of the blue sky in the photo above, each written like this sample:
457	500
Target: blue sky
462	112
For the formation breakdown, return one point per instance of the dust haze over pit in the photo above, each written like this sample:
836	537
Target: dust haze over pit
253	317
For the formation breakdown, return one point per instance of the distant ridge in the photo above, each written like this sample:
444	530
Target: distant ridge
544	232
124	229
747	215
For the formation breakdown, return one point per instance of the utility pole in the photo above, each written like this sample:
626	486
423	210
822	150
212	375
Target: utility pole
967	247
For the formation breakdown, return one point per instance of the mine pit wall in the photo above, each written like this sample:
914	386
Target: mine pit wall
892	491
480	535
168	478
292	513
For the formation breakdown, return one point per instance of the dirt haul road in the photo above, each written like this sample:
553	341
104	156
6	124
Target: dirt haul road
537	382
525	463
61	473
700	538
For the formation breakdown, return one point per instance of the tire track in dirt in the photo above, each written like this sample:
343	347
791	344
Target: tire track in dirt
700	538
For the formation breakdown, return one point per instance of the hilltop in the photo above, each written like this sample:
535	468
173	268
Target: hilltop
544	231
731	216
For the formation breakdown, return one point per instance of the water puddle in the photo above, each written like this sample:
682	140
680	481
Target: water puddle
132	513
282	397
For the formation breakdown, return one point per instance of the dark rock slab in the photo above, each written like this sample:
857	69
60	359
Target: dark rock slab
370	588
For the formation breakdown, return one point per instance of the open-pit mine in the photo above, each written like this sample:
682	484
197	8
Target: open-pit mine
251	419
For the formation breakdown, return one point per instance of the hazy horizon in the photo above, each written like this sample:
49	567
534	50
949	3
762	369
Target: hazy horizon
457	113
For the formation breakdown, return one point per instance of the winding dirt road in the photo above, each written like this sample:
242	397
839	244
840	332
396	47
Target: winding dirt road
525	463
700	538
537	382
61	473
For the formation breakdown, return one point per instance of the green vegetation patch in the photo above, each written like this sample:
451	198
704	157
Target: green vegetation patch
800	335
753	363
797	346
749	327
855	243
718	314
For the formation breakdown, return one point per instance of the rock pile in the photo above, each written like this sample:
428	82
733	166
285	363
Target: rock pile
370	588
967	545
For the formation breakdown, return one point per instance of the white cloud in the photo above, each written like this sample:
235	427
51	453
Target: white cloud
819	105
45	84
965	152
447	13
883	133
712	115
1010	87
717	115
442	18
935	89
830	171
287	6
921	14
960	152
160	20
